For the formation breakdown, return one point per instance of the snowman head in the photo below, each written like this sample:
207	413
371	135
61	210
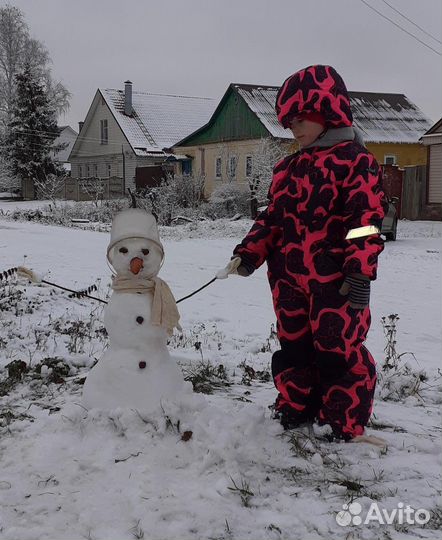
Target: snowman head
135	248
139	257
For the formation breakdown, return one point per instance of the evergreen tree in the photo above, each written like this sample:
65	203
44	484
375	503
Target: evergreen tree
32	130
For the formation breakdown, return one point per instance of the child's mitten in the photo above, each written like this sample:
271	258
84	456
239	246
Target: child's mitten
357	288
235	266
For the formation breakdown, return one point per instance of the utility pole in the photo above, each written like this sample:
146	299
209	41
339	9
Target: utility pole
124	169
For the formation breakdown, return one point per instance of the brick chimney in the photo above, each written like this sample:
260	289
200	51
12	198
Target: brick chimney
128	110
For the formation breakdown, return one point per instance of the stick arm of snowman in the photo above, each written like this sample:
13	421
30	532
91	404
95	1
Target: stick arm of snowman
224	273
35	278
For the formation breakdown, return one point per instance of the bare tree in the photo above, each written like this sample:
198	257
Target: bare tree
95	188
266	155
18	49
230	161
50	187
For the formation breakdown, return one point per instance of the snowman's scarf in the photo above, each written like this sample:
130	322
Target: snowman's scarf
164	309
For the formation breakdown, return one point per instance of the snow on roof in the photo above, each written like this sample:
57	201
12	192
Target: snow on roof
159	120
381	117
261	100
388	117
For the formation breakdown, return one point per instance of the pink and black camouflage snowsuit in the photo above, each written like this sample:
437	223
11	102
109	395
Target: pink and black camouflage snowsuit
317	196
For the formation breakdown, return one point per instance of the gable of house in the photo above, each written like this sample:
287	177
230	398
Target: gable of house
91	141
232	120
432	141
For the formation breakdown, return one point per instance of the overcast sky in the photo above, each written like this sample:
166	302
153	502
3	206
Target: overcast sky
197	47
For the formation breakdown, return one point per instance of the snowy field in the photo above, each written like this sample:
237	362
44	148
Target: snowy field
69	474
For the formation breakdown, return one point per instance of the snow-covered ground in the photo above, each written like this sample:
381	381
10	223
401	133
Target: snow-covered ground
69	474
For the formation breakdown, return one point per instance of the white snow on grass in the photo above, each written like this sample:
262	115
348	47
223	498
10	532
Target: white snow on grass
69	474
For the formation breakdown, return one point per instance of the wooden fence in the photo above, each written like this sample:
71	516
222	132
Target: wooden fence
415	195
414	191
87	189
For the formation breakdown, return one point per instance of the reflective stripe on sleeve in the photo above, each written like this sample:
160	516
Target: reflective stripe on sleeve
362	231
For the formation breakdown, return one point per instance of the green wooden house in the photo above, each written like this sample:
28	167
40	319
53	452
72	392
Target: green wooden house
223	149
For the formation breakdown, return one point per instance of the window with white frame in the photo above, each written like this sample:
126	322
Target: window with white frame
218	166
109	170
95	170
390	159
249	166
80	171
231	171
104	132
88	171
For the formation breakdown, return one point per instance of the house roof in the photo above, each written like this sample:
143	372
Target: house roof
388	117
435	128
381	117
261	101
159	120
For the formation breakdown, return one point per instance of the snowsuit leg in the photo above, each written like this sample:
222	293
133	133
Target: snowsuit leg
347	372
296	378
293	367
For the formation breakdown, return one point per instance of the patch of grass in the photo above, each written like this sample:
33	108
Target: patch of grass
435	521
206	377
137	531
7	417
300	443
250	374
374	424
197	338
397	380
243	490
54	368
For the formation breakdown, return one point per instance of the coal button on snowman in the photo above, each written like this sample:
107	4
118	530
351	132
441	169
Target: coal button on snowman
139	319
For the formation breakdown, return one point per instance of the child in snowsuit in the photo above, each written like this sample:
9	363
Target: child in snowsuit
320	238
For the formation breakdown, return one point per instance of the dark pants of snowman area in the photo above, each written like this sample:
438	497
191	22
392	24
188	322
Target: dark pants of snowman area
324	372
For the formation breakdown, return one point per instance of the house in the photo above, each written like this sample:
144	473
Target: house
125	134
432	141
391	126
61	148
223	148
65	140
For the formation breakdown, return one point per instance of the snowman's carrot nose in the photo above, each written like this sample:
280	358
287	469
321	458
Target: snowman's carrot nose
136	264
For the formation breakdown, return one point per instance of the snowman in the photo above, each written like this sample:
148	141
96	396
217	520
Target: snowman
136	371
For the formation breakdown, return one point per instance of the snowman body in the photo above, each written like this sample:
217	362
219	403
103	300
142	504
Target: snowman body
117	380
137	370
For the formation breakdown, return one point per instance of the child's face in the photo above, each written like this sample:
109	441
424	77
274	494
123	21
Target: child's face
305	131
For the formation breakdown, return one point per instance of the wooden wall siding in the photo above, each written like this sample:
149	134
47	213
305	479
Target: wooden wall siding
406	154
234	121
89	141
435	174
414	192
